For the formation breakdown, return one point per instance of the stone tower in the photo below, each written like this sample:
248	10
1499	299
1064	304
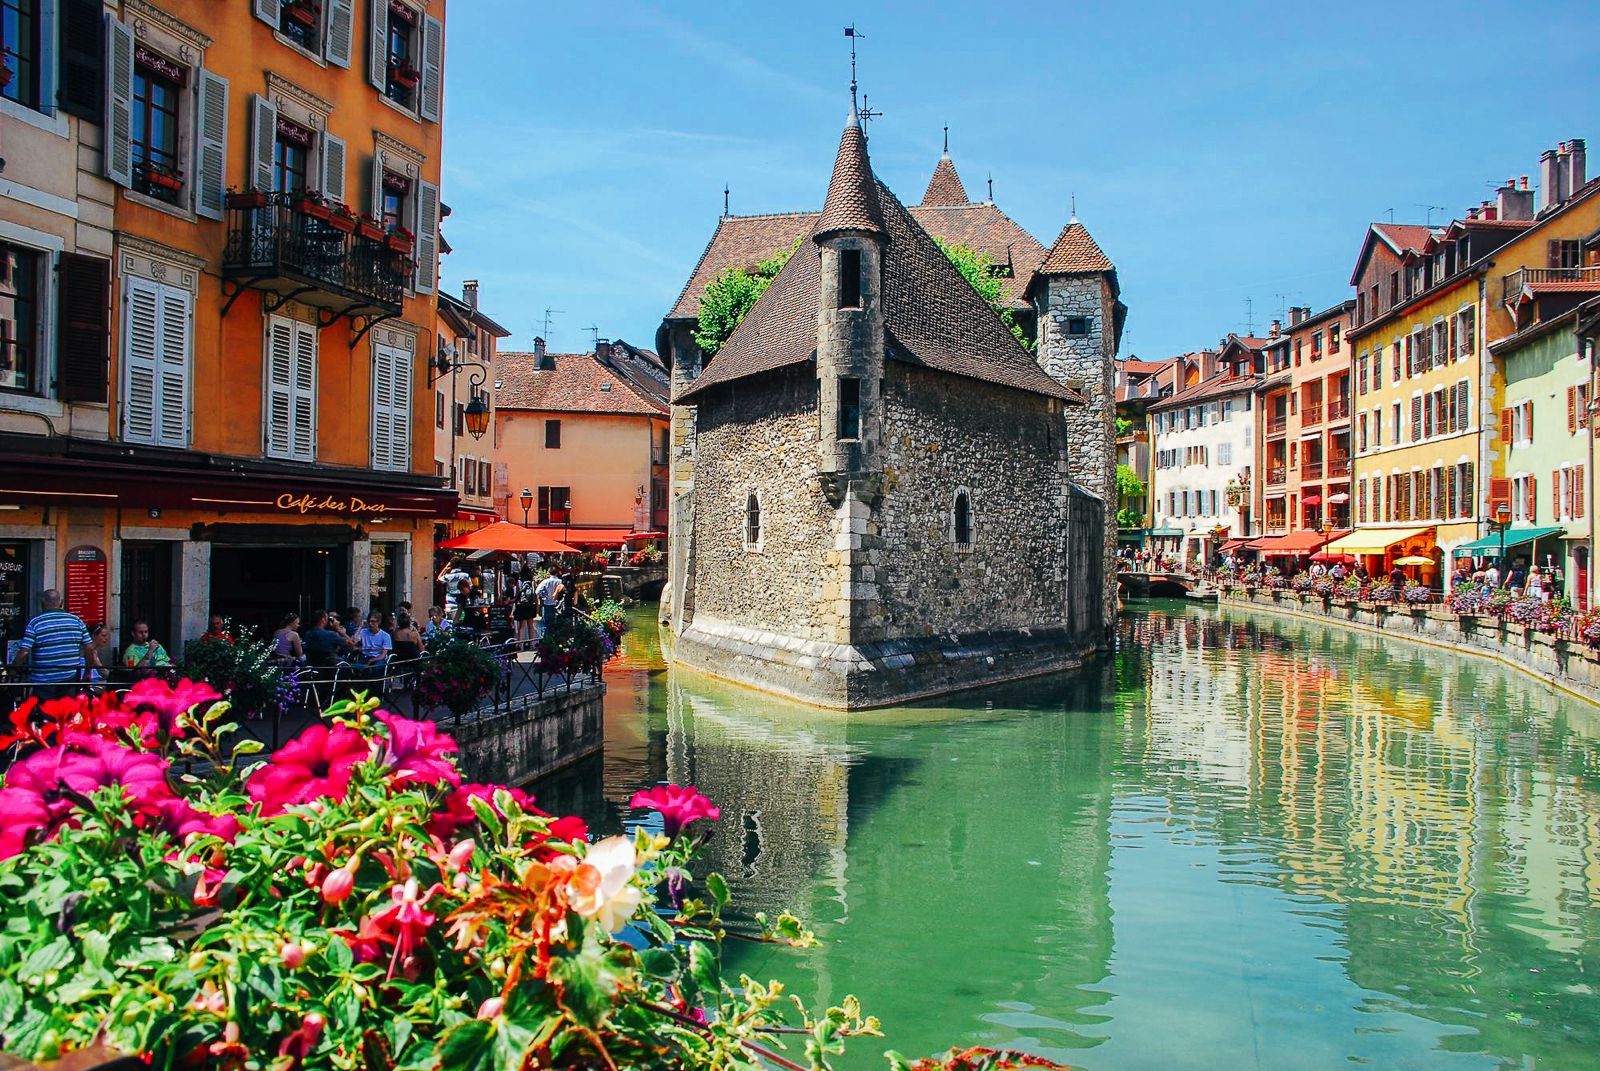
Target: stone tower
1079	315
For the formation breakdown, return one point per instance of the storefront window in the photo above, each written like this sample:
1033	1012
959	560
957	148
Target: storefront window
16	581
20	270
384	587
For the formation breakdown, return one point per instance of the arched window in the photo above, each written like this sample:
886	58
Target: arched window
963	519
752	520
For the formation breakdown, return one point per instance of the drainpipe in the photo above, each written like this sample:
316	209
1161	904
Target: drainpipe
1589	478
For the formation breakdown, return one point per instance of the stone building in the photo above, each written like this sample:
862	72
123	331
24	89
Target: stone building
873	492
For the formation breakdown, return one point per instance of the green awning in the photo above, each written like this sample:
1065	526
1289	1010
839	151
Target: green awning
1166	533
1515	537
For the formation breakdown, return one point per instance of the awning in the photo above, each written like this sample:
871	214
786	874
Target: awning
1373	540
1291	545
1234	544
509	538
1339	499
1166	533
1490	544
1311	500
594	537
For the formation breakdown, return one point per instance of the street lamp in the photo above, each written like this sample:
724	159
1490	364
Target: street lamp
526	498
1502	521
477	411
566	519
477	414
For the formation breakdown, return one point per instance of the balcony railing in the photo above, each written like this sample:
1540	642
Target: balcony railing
1277	475
281	249
1277	425
1311	470
658	455
1514	284
1338	468
1339	409
1311	414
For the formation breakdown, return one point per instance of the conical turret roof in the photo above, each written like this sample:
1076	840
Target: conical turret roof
945	188
852	202
1075	251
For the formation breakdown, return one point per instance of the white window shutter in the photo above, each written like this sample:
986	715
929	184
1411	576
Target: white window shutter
49	19
382	408
400	414
333	167
279	410
304	438
268	11
338	36
141	339
211	146
119	103
431	98
427	231
378	45
173	416
376	204
263	141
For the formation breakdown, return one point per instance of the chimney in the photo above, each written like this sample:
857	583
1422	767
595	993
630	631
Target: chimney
1573	174
469	293
602	349
1486	211
1514	203
1298	313
542	361
1277	329
1549	182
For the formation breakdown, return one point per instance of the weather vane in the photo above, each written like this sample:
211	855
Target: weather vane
864	112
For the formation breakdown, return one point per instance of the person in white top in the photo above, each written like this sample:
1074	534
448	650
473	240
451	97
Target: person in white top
549	594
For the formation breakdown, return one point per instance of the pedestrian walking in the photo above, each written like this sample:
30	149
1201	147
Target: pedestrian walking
549	593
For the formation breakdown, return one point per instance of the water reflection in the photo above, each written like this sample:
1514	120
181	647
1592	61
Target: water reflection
1240	840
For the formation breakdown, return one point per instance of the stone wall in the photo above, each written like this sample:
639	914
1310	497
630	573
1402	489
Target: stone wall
1572	667
1086	363
529	742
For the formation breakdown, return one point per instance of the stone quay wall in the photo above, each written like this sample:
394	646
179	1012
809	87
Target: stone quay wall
528	742
1573	667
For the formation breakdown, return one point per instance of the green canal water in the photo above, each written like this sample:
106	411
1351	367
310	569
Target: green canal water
1240	842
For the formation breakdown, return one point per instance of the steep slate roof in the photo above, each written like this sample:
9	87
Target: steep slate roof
578	383
932	315
1075	251
852	202
740	242
945	188
984	228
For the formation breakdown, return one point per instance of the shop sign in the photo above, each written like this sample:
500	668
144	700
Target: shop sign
310	503
86	584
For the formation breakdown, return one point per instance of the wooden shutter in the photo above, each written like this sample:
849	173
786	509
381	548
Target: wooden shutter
378	45
211	146
303	428
338	35
1416	418
1499	496
375	199
1558	481
83	338
173	415
141	339
1505	425
119	103
263	141
400	399
427	231
279	415
82	51
268	12
382	426
1577	492
1553	252
1572	410
431	92
1531	505
1528	421
334	158
1464	405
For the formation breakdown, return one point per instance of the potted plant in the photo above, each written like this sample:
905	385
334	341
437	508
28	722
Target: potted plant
458	675
162	177
304	12
401	240
311	204
246	199
370	228
341	217
403	74
245	671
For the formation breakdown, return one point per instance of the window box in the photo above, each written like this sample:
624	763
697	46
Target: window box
400	241
247	199
371	228
164	180
315	209
342	218
405	75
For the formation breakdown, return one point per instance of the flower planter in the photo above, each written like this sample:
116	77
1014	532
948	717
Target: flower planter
304	14
342	224
314	210
164	180
399	243
369	229
247	199
408	77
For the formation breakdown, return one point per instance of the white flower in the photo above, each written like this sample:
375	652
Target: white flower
601	887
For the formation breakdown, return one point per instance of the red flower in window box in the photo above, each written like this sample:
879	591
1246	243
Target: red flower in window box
405	75
161	178
311	206
401	240
247	199
341	217
368	227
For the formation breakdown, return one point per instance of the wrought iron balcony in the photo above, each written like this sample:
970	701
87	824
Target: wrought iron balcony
277	246
1277	425
1581	280
1311	470
1277	475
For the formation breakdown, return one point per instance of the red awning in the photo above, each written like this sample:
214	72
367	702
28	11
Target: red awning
1291	545
509	538
1234	544
594	537
1311	500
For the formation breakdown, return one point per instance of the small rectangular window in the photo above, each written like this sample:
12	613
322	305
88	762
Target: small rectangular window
849	278
552	434
438	408
1077	326
849	408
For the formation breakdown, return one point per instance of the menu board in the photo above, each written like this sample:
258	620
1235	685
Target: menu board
86	584
14	588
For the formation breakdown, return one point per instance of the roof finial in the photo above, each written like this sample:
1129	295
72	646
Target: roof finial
725	192
850	32
1074	218
947	139
991	187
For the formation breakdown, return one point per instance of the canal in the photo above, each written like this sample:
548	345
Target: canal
1242	841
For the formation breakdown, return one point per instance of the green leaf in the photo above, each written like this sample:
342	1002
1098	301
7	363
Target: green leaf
719	888
96	946
658	963
466	1046
10	1001
704	968
52	957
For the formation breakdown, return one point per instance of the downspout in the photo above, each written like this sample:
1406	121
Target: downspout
1585	345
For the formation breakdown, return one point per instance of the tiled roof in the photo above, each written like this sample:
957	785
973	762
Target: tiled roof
577	384
945	188
1075	251
1215	387
1403	236
852	201
931	315
740	242
985	229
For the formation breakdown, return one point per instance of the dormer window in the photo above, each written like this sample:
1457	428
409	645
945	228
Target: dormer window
849	278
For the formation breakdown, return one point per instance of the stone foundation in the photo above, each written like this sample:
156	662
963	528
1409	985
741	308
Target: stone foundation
529	742
1570	666
841	677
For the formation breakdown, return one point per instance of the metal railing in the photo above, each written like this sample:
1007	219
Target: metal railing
1277	425
1277	475
1338	467
1512	286
1311	413
1311	470
280	240
1339	409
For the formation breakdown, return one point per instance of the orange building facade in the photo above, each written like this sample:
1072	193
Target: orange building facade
251	349
1305	434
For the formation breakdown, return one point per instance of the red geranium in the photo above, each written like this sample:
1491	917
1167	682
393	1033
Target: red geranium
457	811
417	752
678	805
314	764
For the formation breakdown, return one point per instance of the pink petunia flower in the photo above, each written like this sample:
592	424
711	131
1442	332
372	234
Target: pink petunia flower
168	703
678	805
457	811
41	790
313	765
417	752
22	813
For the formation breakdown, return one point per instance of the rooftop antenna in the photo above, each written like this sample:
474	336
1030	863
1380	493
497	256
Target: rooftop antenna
725	193
1249	317
549	314
1391	214
1431	210
1074	217
594	337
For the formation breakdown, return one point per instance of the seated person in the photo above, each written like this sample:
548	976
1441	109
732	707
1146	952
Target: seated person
322	645
438	623
373	642
407	640
287	647
144	655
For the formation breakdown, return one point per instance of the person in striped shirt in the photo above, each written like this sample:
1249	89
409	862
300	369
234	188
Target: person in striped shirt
55	645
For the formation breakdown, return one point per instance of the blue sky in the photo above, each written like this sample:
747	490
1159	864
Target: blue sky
1218	153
